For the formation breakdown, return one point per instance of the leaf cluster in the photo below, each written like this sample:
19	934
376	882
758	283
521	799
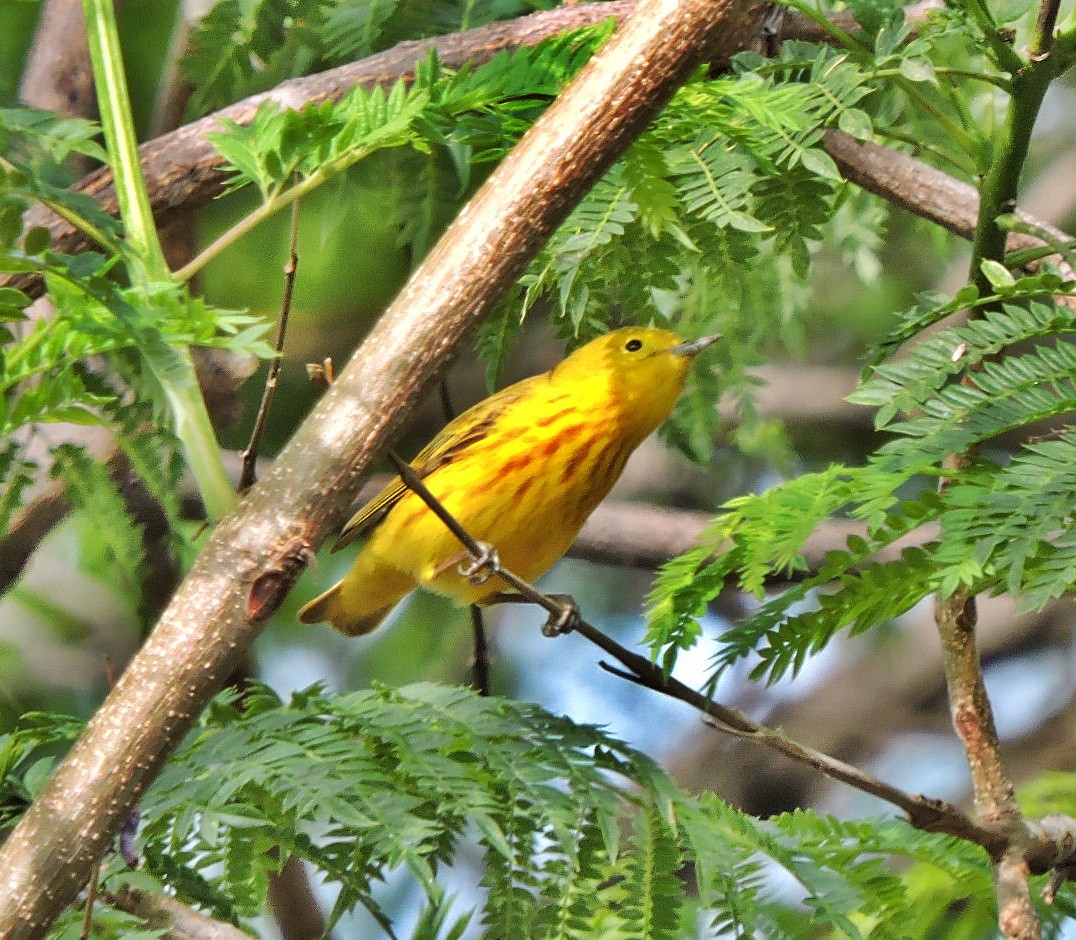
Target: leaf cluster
579	835
103	339
243	48
1003	522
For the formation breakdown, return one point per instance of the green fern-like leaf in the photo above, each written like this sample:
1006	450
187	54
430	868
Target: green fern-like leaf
16	474
1001	396
400	800
239	49
354	28
758	537
111	530
1012	527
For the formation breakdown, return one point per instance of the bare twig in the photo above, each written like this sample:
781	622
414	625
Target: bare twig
481	665
923	812
248	477
1042	40
887	687
91	900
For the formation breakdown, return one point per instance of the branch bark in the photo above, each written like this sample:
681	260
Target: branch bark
179	921
259	550
929	193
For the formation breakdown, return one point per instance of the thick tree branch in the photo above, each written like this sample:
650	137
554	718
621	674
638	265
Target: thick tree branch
258	551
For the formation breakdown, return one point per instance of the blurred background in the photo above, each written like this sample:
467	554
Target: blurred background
878	700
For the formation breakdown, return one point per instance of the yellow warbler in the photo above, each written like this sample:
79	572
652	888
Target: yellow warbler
520	470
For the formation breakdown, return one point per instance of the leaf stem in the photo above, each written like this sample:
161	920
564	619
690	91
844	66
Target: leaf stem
997	194
1004	54
271	206
146	259
192	426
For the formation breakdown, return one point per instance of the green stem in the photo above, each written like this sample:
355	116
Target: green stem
1004	54
271	206
997	194
146	265
146	259
990	79
843	37
192	426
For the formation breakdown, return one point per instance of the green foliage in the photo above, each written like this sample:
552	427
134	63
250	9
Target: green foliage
580	835
384	780
96	494
759	538
1005	522
33	134
710	222
242	48
279	144
104	338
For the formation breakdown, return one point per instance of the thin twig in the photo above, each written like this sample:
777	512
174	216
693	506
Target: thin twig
1043	37
922	812
250	456
481	664
447	408
91	901
170	915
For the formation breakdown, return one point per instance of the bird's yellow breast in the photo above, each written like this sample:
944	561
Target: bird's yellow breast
527	490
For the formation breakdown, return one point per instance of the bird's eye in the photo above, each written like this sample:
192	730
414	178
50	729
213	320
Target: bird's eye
633	345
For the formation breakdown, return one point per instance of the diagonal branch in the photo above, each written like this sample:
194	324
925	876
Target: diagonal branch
258	550
922	812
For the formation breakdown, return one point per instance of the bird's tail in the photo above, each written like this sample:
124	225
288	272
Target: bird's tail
358	603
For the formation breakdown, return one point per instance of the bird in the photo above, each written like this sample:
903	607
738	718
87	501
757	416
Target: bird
521	471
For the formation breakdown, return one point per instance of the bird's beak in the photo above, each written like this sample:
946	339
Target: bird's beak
693	347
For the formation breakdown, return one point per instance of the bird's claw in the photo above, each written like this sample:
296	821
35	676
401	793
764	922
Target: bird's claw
480	567
563	622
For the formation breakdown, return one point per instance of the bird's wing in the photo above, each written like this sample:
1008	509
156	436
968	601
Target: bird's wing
455	438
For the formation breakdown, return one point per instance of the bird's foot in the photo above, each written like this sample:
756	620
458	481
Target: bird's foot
565	621
480	568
